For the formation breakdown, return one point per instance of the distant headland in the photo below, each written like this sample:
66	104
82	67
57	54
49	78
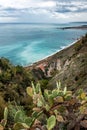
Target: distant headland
74	27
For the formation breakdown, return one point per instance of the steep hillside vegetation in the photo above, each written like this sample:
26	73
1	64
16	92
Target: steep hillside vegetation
28	107
13	83
69	66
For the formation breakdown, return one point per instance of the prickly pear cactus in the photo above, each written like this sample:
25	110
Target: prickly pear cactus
51	122
4	121
28	121
5	113
29	91
19	117
20	126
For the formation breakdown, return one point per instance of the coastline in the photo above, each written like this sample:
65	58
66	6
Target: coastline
51	55
84	27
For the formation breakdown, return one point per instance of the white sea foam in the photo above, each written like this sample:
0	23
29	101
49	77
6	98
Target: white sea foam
27	44
62	48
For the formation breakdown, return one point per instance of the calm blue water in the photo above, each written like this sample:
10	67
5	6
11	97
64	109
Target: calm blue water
24	44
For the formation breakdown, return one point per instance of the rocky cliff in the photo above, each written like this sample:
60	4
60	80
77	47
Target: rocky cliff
69	66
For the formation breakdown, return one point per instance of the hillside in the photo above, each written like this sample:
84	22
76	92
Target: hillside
47	104
68	66
13	83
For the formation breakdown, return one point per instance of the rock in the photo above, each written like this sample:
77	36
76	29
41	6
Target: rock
44	127
37	129
83	123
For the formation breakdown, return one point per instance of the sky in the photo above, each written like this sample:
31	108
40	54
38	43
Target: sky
43	11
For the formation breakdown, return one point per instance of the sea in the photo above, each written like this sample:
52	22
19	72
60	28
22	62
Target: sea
26	43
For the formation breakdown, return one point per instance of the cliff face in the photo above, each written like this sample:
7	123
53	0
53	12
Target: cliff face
69	66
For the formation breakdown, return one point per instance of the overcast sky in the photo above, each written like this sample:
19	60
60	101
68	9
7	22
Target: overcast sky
46	11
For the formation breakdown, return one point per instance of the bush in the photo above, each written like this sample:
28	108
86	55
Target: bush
59	107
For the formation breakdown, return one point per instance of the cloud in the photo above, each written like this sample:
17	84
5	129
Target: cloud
10	9
71	7
49	10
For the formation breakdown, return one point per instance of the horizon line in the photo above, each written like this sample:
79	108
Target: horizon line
40	22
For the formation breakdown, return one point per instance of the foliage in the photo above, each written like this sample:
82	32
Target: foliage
4	120
43	84
13	81
51	122
59	106
80	44
57	109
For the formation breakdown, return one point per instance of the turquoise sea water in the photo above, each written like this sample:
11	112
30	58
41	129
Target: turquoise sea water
24	44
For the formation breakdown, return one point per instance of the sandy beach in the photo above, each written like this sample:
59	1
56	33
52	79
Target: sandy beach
43	62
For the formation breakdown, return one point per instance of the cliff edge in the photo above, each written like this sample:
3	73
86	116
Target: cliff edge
69	66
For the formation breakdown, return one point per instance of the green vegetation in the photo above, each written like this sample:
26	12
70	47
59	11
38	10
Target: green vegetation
70	65
13	83
59	107
27	100
80	44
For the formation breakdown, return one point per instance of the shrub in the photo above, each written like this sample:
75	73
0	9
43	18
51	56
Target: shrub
60	107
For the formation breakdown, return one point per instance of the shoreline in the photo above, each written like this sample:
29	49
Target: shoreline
53	54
